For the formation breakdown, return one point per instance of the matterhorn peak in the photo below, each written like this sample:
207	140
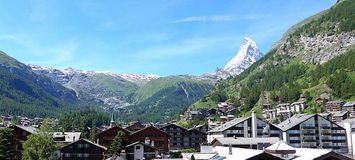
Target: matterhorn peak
246	56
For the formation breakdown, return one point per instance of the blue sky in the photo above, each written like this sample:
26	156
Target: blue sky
164	37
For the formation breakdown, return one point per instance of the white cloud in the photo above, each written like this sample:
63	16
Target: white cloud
224	18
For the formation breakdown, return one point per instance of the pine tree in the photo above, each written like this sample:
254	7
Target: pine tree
85	133
7	150
118	144
93	131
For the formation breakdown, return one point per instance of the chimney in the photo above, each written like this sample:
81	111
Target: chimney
253	124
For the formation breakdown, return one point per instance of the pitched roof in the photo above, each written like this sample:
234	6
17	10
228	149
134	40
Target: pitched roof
148	128
293	121
349	104
144	144
196	130
229	124
237	153
280	146
339	113
173	124
115	127
31	130
86	140
225	141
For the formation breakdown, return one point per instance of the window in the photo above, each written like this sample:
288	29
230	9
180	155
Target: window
80	145
86	155
80	155
138	147
86	145
67	154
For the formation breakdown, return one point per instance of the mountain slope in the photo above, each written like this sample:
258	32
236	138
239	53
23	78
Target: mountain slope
106	88
23	92
166	97
314	58
247	55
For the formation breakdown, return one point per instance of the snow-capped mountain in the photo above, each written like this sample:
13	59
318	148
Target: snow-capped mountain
64	76
246	56
114	90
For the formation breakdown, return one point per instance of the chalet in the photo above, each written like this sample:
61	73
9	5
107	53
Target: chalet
135	127
332	106
20	134
350	106
106	137
176	134
269	113
339	116
251	126
297	107
192	115
82	149
225	108
152	136
313	131
193	138
140	150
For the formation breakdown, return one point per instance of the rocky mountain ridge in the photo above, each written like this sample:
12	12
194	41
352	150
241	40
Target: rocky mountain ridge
248	54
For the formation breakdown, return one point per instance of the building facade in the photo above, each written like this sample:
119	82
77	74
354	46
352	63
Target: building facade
313	131
333	106
20	134
152	136
176	136
251	126
193	138
81	150
106	137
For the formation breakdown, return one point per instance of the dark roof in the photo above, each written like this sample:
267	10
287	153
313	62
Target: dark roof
265	156
173	124
334	156
148	128
85	140
115	127
196	130
31	130
135	125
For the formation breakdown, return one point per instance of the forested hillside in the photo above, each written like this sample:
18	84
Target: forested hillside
315	59
23	92
165	98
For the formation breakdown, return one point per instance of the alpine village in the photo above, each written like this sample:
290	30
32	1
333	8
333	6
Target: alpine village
295	102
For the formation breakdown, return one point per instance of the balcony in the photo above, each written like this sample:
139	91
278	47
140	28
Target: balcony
308	126
309	132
